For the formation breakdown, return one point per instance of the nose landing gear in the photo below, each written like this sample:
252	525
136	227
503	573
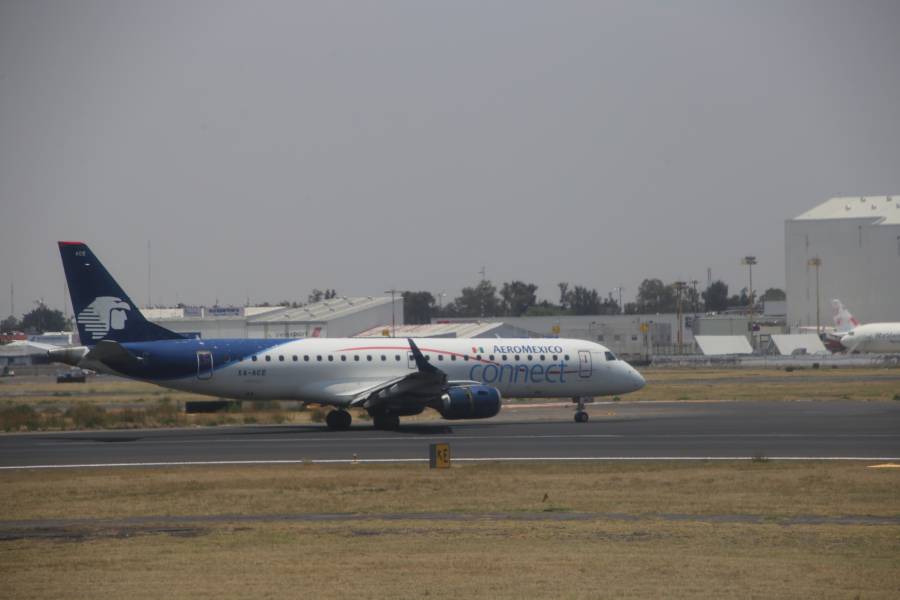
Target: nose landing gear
580	415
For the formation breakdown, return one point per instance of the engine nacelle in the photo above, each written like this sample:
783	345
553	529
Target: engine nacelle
470	402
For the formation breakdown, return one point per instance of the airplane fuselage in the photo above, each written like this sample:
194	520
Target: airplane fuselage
332	370
873	338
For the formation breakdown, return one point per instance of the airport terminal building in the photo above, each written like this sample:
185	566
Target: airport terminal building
857	242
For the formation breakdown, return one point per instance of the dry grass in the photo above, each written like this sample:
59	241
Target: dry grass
373	558
768	384
772	488
376	559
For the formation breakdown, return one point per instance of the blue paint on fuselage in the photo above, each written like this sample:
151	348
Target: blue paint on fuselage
175	359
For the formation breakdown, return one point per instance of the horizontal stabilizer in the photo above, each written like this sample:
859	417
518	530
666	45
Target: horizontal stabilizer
114	355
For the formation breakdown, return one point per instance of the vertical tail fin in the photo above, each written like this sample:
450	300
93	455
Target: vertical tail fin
103	311
843	320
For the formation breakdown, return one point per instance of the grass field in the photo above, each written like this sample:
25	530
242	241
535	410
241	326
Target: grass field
651	530
108	402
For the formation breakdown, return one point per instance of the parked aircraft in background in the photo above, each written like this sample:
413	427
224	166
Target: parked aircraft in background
388	377
869	338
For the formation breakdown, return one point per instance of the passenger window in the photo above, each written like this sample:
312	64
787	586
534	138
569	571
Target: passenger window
343	358
452	357
330	358
465	357
397	357
503	357
567	357
517	358
356	357
555	357
253	358
295	358
383	358
369	357
268	358
319	357
440	357
491	357
306	358
281	358
529	357
543	358
427	357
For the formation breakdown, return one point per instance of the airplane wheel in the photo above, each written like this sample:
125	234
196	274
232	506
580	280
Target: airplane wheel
581	417
386	421
338	419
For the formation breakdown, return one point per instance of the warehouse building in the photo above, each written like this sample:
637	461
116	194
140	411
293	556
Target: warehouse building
628	335
336	317
459	329
854	245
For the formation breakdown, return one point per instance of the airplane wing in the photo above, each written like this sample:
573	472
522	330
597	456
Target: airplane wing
426	382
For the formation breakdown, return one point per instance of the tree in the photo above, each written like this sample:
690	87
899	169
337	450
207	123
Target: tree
774	295
584	301
418	307
563	294
43	319
655	297
478	301
736	300
318	295
518	297
9	324
715	298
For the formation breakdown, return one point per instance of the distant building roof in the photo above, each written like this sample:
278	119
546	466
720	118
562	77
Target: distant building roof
444	330
715	345
326	310
883	209
808	343
203	312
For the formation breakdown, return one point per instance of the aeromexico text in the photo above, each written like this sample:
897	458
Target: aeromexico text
528	349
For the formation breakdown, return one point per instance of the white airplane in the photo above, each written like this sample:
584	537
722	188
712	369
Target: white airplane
868	338
388	377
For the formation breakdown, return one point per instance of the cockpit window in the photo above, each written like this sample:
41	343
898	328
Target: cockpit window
610	356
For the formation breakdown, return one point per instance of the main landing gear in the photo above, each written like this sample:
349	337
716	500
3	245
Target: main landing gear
580	415
338	419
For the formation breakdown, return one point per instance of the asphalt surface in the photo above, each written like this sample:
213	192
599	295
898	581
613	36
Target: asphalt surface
687	430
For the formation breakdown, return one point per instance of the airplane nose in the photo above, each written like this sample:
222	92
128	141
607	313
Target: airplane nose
638	379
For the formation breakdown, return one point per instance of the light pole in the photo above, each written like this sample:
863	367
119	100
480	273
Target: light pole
750	261
679	288
816	262
392	292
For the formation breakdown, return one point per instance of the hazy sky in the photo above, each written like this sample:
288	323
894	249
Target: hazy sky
266	148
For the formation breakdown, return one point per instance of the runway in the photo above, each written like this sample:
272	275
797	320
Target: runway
620	431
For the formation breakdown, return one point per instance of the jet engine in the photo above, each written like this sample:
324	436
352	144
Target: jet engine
470	402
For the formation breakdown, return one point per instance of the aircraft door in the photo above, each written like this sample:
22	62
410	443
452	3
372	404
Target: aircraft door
584	363
204	365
